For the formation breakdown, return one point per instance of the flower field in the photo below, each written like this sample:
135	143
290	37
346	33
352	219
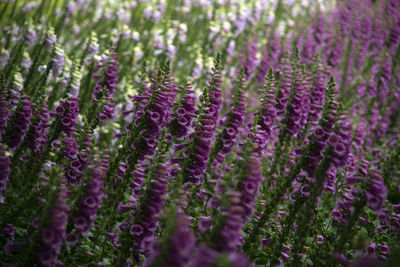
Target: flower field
209	133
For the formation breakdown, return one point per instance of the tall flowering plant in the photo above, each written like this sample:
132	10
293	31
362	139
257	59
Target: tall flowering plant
199	133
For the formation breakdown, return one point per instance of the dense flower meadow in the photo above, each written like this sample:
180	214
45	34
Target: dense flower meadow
210	133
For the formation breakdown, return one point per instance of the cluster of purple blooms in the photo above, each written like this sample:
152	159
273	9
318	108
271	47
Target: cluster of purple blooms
4	171
175	176
109	79
21	122
57	62
341	142
183	120
204	131
53	233
269	59
249	186
107	113
233	121
285	89
265	128
249	59
157	115
142	232
3	113
317	96
67	111
178	251
38	135
208	257
376	191
295	110
90	203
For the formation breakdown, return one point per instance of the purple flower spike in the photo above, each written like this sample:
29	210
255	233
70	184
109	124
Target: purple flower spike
8	231
107	113
204	224
377	191
4	113
38	135
21	122
233	121
4	171
205	131
67	112
110	78
341	145
53	235
90	203
241	207
183	117
142	230
179	249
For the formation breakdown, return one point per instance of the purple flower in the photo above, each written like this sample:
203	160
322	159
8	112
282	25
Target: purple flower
183	116
249	185
123	208
317	96
238	259
52	235
179	246
138	178
114	237
11	246
4	57
156	116
38	135
71	239
269	58
249	59
4	171
4	113
57	61
51	38
394	38
8	231
320	239
107	113
265	242
205	257
142	228
110	78
367	261
371	248
123	226
136	229
341	146
67	112
204	132
90	203
294	120
21	121
336	53
384	249
233	222
284	92
70	148
377	191
339	258
204	223
233	120
30	37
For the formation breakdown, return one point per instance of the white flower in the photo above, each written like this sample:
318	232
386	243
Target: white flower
42	68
